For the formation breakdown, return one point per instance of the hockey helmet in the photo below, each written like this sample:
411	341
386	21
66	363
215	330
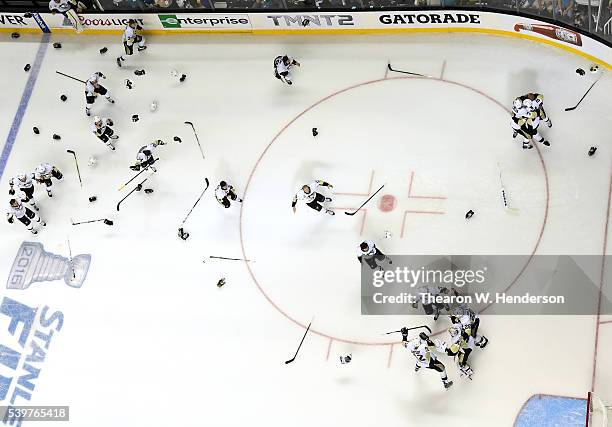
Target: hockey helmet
21	177
40	169
14	203
517	104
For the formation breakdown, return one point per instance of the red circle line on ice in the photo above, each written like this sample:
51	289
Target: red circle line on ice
387	203
328	97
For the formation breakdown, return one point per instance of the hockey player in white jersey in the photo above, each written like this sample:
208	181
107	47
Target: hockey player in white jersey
70	9
102	129
460	347
282	67
25	184
24	214
43	174
469	322
93	88
310	195
422	348
225	193
369	254
131	36
144	158
526	120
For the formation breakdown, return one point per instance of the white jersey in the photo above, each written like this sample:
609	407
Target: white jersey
92	83
99	131
129	36
45	173
280	66
23	185
17	212
421	351
220	193
145	152
370	251
307	197
61	6
459	343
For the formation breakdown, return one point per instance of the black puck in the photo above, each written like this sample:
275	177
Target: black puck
27	67
469	214
93	199
63	98
57	45
592	151
103	50
35	130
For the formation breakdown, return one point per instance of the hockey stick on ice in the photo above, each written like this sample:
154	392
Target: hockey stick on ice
137	188
364	203
136	176
410	329
77	165
70	77
299	346
196	136
197	201
583	96
106	221
229	259
405	72
503	192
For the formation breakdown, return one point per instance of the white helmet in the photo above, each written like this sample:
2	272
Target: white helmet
517	104
528	104
21	177
453	331
40	169
97	119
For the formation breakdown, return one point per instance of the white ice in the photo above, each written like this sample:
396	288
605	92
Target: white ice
149	340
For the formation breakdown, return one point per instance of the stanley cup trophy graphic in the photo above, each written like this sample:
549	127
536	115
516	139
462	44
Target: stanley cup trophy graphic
33	264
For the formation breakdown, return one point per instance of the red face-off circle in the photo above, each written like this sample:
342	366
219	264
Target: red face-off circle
387	203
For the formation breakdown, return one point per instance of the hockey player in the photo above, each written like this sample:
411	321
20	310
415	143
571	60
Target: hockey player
224	193
43	174
422	348
525	121
426	294
24	183
131	36
369	254
469	322
144	158
23	214
70	9
461	346
537	103
282	65
102	129
93	88
310	195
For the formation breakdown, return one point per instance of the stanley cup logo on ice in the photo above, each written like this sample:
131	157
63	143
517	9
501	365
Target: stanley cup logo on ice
33	264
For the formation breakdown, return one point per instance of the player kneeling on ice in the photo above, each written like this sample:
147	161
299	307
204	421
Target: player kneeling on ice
69	9
224	193
312	197
43	174
102	129
461	346
144	158
422	348
526	117
24	214
93	88
24	183
369	254
282	65
469	322
131	36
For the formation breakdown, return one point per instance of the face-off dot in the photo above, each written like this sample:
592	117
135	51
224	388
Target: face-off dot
387	203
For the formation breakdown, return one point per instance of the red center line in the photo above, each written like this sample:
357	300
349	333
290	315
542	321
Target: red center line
601	284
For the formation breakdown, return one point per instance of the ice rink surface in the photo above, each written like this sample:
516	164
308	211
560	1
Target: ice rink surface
149	340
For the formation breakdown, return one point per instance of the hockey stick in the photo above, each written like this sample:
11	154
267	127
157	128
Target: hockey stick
299	346
583	96
70	77
137	188
364	203
196	136
77	165
503	192
70	259
410	329
405	72
137	175
197	201
106	221
230	259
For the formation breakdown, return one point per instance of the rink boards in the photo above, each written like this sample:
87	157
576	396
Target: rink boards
381	22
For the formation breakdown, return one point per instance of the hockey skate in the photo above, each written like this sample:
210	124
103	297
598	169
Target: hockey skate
527	146
447	384
466	370
109	99
330	212
483	342
545	143
119	62
141	48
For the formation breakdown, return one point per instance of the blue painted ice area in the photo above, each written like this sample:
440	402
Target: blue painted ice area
552	411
